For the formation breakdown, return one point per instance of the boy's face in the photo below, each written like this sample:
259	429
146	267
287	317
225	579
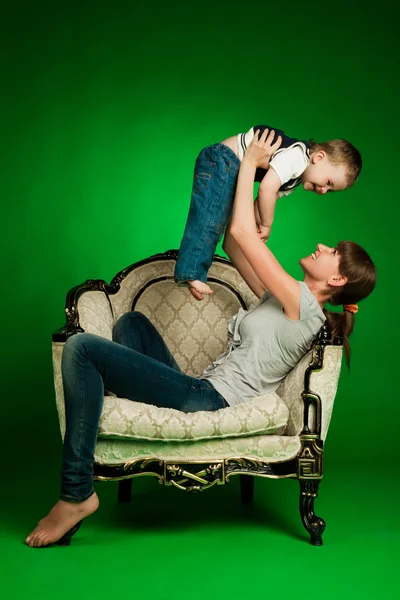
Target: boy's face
322	176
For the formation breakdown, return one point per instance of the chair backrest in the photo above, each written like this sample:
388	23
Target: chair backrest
195	332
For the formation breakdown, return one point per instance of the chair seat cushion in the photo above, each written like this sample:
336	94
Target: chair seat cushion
122	418
264	448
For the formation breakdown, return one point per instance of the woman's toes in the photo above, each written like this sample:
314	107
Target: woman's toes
30	538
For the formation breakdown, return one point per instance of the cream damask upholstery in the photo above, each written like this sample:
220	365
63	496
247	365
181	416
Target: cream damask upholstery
122	418
196	333
271	448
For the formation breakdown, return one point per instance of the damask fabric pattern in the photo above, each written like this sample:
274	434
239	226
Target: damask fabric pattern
196	333
136	420
126	419
123	417
268	448
137	279
57	350
95	314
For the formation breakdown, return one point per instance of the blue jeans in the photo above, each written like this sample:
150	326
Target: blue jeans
136	365
215	177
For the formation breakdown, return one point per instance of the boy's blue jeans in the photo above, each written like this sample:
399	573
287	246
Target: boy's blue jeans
215	177
136	365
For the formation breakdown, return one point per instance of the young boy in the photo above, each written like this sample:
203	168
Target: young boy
319	167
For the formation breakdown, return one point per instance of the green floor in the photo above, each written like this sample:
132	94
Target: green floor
168	544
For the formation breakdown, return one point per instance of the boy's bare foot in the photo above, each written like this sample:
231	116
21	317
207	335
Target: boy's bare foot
198	289
60	519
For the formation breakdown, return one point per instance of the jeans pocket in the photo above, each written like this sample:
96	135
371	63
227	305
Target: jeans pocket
202	174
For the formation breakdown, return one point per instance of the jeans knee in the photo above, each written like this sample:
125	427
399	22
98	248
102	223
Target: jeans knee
130	319
76	344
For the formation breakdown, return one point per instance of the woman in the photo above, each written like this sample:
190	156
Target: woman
138	365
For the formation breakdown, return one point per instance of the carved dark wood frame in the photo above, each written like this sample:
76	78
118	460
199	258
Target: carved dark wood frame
192	476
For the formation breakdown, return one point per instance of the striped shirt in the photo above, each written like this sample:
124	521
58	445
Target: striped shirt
289	161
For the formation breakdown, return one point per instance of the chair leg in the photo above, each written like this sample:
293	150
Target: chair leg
246	488
124	490
314	525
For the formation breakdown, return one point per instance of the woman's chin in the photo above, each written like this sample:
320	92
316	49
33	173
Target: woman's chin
302	261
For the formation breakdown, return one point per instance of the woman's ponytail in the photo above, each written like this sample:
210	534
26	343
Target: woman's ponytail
341	324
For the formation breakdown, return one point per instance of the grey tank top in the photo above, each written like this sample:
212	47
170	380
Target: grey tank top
263	346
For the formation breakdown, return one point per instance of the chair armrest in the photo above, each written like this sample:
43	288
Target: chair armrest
89	310
61	335
57	350
320	385
309	390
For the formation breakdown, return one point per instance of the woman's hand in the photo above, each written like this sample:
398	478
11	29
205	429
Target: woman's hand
261	148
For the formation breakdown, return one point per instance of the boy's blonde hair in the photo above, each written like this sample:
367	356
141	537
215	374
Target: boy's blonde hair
341	152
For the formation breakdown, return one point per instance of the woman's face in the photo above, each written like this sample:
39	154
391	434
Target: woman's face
322	264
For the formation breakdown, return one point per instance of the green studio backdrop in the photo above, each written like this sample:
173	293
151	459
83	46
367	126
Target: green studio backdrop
105	108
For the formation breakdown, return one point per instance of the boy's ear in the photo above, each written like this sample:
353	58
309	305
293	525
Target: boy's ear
319	156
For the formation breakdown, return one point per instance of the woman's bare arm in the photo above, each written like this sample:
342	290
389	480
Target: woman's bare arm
243	229
240	263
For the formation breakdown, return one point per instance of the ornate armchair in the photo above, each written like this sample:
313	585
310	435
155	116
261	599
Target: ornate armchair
278	435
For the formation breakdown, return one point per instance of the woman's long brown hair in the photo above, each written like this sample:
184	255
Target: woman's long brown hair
357	266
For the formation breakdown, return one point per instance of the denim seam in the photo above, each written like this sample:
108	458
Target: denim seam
209	222
68	498
161	377
81	421
144	370
226	160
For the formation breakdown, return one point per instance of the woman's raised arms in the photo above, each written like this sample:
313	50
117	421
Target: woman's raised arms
243	229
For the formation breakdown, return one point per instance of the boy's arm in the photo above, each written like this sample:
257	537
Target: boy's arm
257	212
267	197
241	263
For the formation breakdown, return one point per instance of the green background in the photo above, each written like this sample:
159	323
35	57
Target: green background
105	106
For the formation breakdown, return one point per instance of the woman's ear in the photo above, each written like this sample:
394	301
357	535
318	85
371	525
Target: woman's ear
337	280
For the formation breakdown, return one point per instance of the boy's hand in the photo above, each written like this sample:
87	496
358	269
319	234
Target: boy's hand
257	213
261	148
263	232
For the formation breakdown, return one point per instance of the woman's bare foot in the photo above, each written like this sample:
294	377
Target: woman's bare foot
198	289
60	519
